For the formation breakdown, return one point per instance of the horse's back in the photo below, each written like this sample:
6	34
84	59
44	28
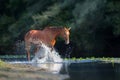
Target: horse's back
34	32
33	35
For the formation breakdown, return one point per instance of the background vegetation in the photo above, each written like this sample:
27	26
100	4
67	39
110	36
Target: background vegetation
95	25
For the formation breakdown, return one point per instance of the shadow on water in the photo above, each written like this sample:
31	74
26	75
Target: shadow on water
93	71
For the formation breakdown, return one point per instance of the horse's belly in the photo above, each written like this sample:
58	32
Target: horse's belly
40	40
35	41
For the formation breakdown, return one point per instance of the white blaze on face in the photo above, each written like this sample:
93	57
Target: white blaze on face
67	40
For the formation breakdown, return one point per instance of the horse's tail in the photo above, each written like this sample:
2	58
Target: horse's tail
26	40
26	35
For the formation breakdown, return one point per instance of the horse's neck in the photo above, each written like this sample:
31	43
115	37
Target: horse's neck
55	32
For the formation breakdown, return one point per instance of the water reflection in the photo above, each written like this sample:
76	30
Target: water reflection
80	70
93	71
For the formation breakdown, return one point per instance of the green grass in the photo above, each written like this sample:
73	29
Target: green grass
13	56
106	59
2	63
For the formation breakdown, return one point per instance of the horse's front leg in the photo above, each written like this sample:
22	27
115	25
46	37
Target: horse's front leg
52	45
52	48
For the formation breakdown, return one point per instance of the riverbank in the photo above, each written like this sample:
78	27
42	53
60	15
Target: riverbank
25	72
18	71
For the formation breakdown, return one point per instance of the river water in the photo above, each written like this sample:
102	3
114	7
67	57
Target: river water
75	70
82	70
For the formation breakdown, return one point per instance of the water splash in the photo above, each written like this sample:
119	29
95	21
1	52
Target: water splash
47	59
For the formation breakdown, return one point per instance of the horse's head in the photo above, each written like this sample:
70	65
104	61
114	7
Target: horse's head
65	34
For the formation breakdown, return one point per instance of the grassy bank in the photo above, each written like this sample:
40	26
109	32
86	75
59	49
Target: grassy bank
105	59
24	72
20	57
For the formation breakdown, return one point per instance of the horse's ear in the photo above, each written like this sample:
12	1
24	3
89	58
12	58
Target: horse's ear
69	28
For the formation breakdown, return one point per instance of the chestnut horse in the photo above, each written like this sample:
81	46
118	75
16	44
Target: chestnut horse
47	36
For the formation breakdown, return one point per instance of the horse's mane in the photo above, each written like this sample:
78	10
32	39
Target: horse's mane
53	27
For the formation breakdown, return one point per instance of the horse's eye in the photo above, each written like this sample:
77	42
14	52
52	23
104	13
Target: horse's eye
65	34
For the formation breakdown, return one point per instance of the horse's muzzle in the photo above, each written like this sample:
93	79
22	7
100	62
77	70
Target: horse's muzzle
67	42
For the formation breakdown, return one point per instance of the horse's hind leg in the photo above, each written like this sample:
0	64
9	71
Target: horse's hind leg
27	48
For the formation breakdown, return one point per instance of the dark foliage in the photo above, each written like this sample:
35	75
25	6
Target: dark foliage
95	25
